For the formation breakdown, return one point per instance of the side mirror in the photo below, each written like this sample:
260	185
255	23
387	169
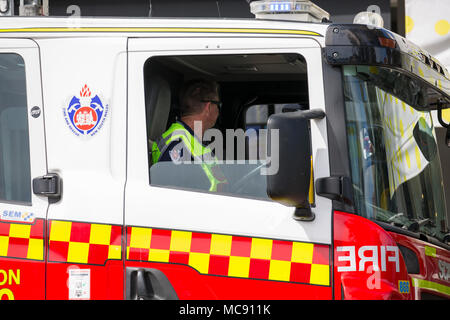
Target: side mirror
290	185
423	135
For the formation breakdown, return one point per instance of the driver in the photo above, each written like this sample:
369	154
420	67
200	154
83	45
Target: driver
200	108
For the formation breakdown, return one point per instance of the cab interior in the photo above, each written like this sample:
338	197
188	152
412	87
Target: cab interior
261	83
252	88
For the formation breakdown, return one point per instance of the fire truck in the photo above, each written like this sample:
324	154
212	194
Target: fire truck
325	135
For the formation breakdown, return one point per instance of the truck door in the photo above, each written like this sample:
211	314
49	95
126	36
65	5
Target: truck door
22	158
193	244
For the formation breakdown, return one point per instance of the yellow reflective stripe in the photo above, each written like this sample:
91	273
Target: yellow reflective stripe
192	143
211	177
234	256
165	30
311	183
86	243
425	284
178	131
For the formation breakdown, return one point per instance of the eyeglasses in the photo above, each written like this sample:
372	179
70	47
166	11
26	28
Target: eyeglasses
217	103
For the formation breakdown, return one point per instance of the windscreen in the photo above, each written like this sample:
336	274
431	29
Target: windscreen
394	158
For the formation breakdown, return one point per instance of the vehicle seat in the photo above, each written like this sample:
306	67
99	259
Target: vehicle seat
158	103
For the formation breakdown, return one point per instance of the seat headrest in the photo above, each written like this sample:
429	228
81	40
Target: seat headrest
158	107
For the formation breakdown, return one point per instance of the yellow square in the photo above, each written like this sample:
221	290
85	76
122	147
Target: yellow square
261	248
180	241
239	267
199	261
320	274
114	252
35	249
60	231
158	255
221	244
4	242
279	270
78	252
140	237
20	231
100	234
302	252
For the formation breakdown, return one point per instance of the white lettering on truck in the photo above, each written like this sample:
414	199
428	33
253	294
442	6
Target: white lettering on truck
375	257
444	270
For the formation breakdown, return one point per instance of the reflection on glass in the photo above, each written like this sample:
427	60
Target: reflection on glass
394	160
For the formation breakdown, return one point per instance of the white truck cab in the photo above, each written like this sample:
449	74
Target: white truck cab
82	101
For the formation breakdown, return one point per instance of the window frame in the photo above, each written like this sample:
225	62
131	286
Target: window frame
156	70
13	167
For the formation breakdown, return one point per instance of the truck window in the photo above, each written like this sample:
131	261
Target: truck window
15	177
251	88
393	153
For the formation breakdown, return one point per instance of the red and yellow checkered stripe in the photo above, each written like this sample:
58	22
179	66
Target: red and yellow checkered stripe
78	242
21	240
232	256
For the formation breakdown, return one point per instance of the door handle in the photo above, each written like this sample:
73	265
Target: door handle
48	186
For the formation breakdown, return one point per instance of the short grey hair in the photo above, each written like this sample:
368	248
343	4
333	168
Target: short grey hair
194	93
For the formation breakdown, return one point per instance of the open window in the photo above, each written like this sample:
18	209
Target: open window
252	87
15	173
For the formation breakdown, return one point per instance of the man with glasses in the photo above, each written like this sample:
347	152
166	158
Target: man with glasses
182	142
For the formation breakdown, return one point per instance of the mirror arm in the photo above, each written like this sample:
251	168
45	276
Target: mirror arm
304	214
313	114
335	188
439	114
443	124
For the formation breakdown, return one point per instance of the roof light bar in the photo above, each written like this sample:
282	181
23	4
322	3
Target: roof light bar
294	10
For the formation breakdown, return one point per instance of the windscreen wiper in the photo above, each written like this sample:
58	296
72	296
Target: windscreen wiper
415	226
395	216
396	220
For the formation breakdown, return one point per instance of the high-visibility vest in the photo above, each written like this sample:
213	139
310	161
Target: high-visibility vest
199	152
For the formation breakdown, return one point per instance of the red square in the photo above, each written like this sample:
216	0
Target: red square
200	242
218	265
37	230
18	247
179	257
321	254
160	239
98	254
282	250
4	229
241	246
128	236
80	232
116	236
138	254
300	272
58	251
259	269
